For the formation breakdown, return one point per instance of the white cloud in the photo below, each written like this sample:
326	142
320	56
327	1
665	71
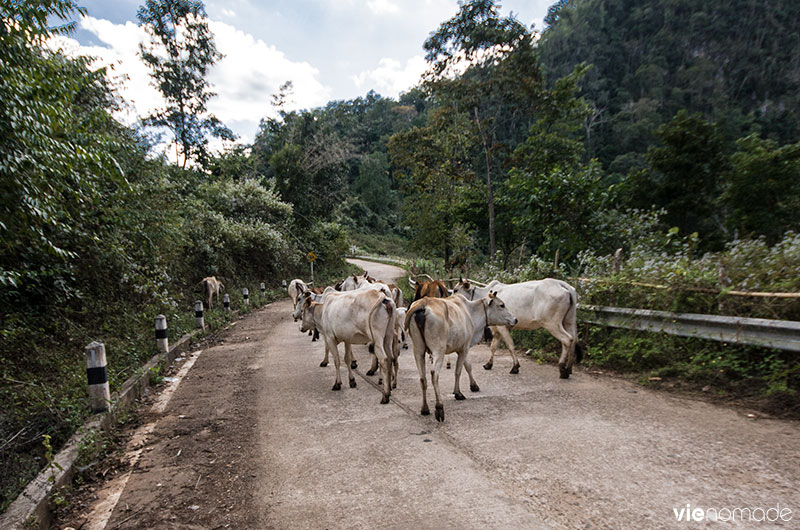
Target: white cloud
251	72
244	79
391	77
229	13
382	7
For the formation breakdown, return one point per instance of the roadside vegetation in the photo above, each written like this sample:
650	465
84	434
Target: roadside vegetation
669	130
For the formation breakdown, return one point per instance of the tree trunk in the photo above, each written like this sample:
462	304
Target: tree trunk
489	188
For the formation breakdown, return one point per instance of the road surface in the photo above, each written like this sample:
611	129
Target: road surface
253	437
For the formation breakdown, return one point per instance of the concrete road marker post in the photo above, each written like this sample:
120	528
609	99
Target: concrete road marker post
99	393
162	343
246	296
198	315
226	302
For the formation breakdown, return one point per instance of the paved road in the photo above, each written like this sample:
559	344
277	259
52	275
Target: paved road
255	438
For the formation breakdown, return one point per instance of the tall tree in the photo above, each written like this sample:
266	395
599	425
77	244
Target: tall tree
179	54
483	65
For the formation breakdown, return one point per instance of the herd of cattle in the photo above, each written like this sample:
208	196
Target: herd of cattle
361	310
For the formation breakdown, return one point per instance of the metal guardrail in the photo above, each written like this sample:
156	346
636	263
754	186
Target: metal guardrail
779	334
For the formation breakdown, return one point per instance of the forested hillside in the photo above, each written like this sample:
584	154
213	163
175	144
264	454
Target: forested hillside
686	99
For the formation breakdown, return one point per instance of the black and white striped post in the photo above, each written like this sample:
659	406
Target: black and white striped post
263	290
246	296
161	334
198	315
99	393
226	302
283	283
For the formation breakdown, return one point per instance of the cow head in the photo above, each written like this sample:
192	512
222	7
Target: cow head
308	309
465	289
297	314
496	312
351	283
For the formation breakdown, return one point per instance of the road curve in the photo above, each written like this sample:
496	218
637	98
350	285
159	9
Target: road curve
255	438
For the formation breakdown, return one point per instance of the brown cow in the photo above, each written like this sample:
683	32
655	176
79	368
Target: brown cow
432	289
451	325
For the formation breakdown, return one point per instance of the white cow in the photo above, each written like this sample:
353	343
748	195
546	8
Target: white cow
296	288
445	325
355	317
402	338
352	282
211	286
550	304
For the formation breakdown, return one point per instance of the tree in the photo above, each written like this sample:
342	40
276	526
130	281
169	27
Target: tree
684	176
484	66
762	189
55	148
179	54
431	168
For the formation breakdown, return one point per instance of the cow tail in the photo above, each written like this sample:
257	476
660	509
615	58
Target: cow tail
388	337
419	318
573	306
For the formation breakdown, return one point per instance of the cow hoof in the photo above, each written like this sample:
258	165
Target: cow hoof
425	411
384	399
352	383
353	365
310	333
314	340
488	366
448	365
439	412
515	369
474	387
370	372
380	380
563	372
323	364
459	396
405	347
337	386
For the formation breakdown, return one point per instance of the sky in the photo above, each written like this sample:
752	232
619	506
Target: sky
329	49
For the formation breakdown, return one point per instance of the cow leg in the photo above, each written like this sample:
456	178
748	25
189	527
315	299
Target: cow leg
567	349
473	386
348	360
506	336
492	348
419	358
456	388
324	362
438	360
337	385
386	372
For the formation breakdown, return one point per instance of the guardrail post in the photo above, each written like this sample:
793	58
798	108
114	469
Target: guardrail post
283	284
198	315
162	343
246	296
263	290
99	393
226	302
